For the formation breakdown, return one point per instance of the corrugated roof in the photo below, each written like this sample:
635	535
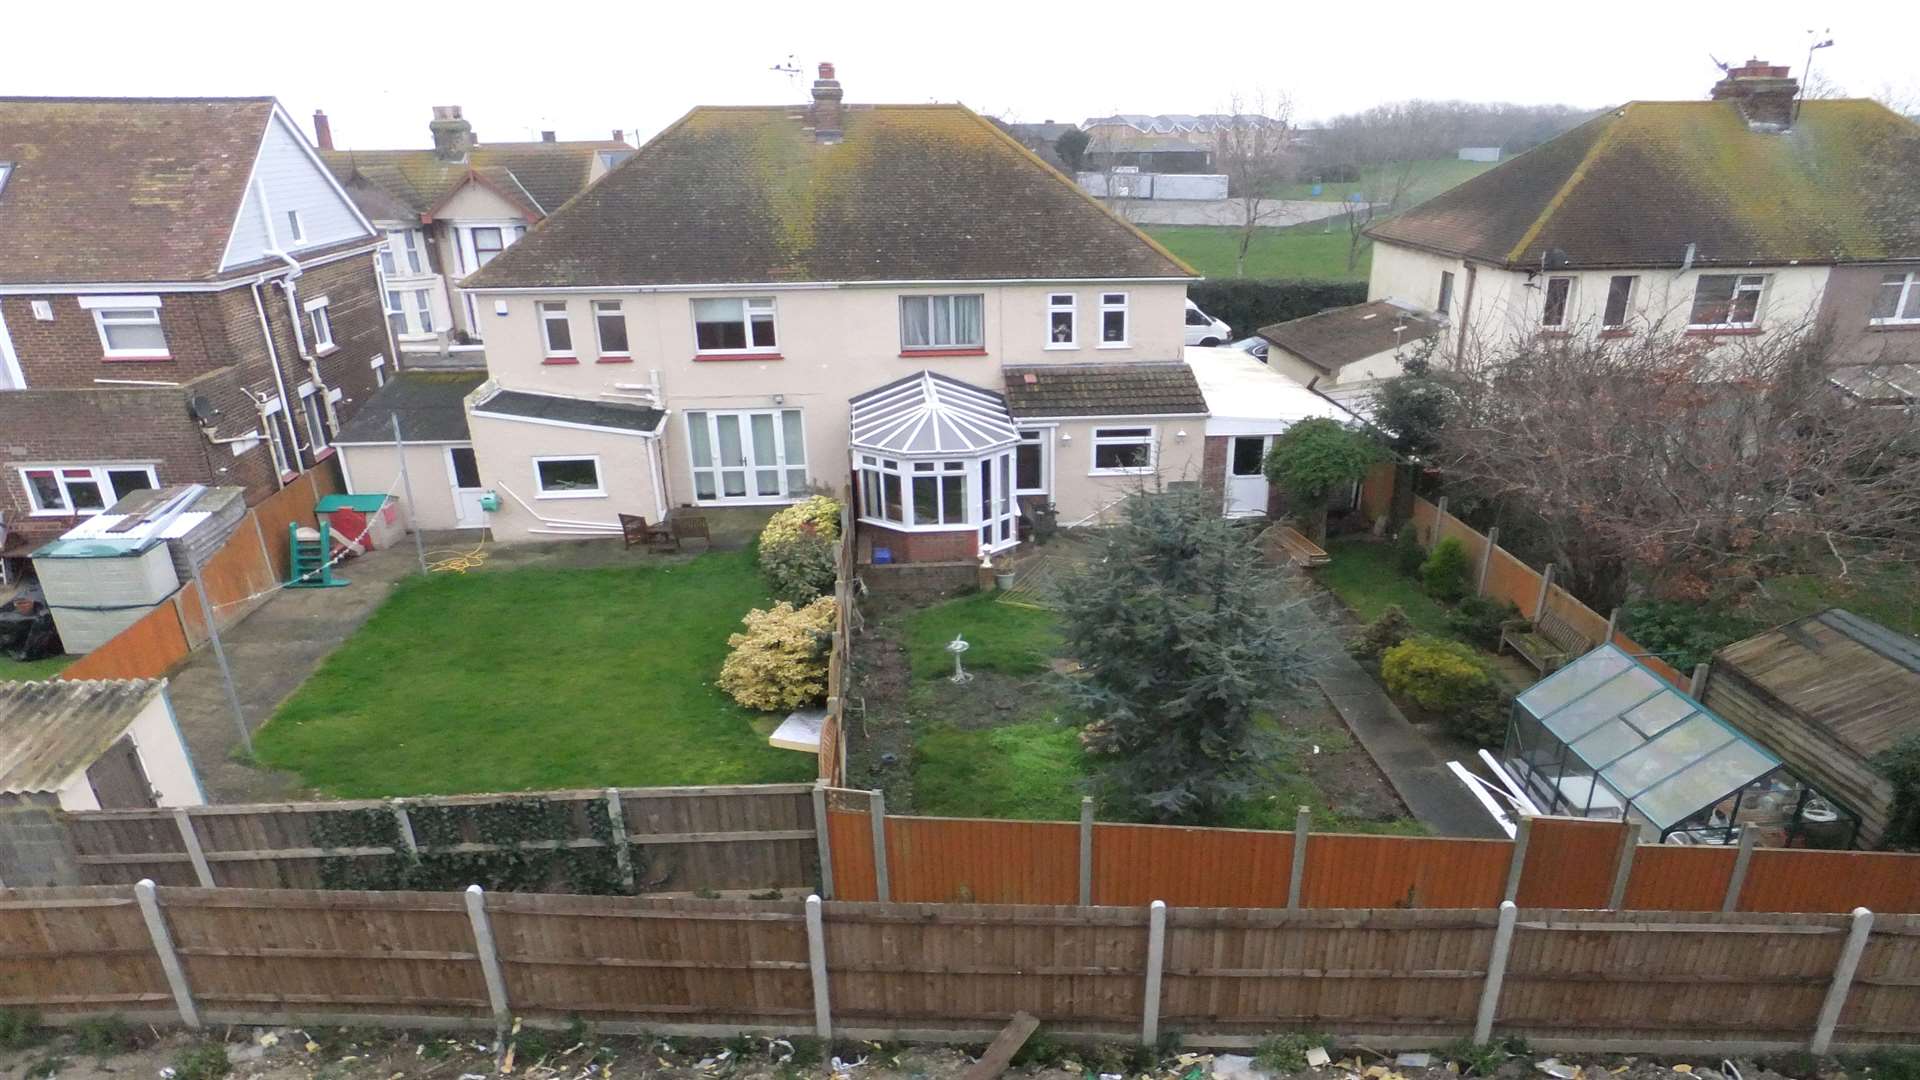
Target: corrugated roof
928	414
1848	676
51	730
430	404
1140	388
555	408
1332	339
1638	184
910	193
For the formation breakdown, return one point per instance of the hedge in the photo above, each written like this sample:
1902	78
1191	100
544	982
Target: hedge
1247	304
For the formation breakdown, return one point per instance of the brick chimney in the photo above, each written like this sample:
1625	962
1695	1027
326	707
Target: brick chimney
824	116
452	135
322	130
1764	92
619	135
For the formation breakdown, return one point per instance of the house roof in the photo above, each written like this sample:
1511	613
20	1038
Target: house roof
535	176
577	412
51	730
1240	390
123	189
1847	676
1639	184
430	404
1332	339
1136	388
928	414
909	193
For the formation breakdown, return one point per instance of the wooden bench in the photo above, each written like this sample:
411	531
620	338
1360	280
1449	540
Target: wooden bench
1547	642
635	530
1302	551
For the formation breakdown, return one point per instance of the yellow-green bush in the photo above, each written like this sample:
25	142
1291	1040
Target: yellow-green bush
797	549
780	662
1448	679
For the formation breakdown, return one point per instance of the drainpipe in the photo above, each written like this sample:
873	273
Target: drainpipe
1466	312
292	294
279	380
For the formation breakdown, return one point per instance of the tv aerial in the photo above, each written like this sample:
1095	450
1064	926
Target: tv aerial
790	69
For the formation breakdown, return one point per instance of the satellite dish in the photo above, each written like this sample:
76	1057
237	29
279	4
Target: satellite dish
203	409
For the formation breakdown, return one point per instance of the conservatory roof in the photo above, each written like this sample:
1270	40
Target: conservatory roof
927	414
1666	755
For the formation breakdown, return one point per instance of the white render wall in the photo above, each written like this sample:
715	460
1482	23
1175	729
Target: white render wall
163	755
377	469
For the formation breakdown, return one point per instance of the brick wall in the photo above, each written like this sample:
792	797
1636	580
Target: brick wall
921	547
66	352
1213	464
921	583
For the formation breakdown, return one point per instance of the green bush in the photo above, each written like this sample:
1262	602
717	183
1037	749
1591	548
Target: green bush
1681	632
781	661
1449	680
1247	304
1445	573
1900	764
19	1028
1407	550
204	1060
797	549
1478	619
1286	1053
1391	628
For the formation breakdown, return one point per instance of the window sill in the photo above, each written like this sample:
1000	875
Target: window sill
136	358
704	357
62	513
615	358
1148	471
1893	326
570	495
1723	331
1616	332
327	350
908	354
1114	345
1061	346
323	455
559	360
1554	332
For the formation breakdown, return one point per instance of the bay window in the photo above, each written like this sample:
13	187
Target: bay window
401	255
1898	300
410	312
1727	300
1122	450
937	495
129	326
74	490
734	325
747	455
942	322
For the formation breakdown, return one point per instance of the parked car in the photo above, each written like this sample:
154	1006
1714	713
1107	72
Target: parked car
1255	347
1204	329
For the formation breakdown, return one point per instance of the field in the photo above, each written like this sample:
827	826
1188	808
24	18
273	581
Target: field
1316	250
1425	180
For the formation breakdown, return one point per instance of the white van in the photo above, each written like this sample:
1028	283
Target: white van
1204	329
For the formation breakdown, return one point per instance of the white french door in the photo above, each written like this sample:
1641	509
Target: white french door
999	527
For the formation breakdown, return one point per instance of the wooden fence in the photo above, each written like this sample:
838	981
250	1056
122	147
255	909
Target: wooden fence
249	564
833	747
1702	983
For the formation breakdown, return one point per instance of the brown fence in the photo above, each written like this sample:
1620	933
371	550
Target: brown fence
833	747
668	839
1561	979
252	560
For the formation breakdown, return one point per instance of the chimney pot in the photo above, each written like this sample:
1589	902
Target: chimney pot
824	116
452	135
322	130
826	71
548	136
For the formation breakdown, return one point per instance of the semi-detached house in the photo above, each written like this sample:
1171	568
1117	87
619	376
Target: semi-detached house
767	301
186	295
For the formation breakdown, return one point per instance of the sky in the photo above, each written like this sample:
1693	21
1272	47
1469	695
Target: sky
584	69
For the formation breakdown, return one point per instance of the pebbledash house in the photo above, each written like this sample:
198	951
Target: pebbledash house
763	302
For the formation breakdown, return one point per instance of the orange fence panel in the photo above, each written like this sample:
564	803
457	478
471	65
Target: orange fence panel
1424	514
1138	864
1511	580
146	650
850	841
1589	623
1570	863
241	568
1376	491
1404	871
293	504
1799	880
1659	667
1667	877
948	860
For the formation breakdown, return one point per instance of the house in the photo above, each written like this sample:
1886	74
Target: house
1042	138
186	296
1247	404
446	212
107	744
1749	213
442	471
1346	352
1827	693
767	301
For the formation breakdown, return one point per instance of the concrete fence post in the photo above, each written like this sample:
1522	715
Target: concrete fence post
817	964
1486	560
1156	963
1843	972
1698	686
1613	625
190	839
822	839
1496	973
1086	851
1738	879
1297	876
1623	866
489	956
1516	866
622	849
1546	587
877	813
1439	519
149	900
403	824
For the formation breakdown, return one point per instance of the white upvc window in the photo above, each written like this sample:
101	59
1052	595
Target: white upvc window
403	254
1122	451
1030	471
1898	301
129	326
1063	323
1557	308
83	490
942	495
734	325
1113	320
280	441
1619	309
322	323
610	328
556	332
748	456
314	410
1727	301
940	323
572	477
410	313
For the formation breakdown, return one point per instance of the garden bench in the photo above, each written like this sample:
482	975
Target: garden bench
1301	550
686	526
634	529
1546	642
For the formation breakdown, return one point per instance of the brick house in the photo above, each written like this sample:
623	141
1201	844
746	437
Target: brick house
186	295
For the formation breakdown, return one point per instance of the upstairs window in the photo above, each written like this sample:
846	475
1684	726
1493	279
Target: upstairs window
1444	306
322	324
611	326
942	322
1619	302
1898	300
129	326
1559	304
402	253
84	489
1727	300
1063	329
294	230
734	325
558	332
1113	320
488	242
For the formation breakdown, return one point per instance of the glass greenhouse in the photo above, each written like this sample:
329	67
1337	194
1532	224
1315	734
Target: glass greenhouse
1605	737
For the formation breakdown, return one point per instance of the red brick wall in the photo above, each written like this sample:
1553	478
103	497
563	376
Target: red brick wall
66	352
913	547
1213	464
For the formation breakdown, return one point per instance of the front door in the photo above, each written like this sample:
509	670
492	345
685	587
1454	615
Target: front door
1246	478
463	471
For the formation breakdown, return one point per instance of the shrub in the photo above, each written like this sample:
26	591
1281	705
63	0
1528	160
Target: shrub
19	1028
781	660
1286	1053
1247	304
797	549
1390	628
1478	619
1445	571
1446	678
1900	764
204	1060
1683	633
1407	550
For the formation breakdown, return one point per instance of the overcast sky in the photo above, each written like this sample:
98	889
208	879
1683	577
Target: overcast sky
583	69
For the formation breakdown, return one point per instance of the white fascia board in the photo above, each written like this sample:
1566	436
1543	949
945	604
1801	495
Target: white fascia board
791	286
654	434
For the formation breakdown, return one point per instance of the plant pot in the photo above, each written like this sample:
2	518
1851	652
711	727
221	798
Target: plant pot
1003	580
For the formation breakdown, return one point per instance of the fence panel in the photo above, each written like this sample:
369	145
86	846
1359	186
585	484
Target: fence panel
78	950
754	838
1404	872
1585	621
146	650
1376	491
1511	580
1886	992
240	569
1670	878
1570	863
293	504
944	860
121	847
1798	880
850	839
1453	528
1138	864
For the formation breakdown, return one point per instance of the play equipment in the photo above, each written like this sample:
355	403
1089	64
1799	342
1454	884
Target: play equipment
312	561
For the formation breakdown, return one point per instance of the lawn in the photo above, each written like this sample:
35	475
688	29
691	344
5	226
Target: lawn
1006	638
33	670
1428	178
1315	250
1366	576
534	679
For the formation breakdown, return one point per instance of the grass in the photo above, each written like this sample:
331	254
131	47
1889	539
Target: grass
1030	770
1428	178
1889	596
34	670
1004	638
534	679
1315	250
1366	577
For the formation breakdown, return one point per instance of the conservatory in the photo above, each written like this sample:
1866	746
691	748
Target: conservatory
1605	737
934	458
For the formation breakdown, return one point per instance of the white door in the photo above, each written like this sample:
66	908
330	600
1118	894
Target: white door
463	471
1246	481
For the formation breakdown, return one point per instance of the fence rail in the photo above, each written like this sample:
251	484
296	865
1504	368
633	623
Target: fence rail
1561	979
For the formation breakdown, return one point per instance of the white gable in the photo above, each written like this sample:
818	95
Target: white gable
290	178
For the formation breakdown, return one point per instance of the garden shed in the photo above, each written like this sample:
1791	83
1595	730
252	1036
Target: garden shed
96	744
1826	693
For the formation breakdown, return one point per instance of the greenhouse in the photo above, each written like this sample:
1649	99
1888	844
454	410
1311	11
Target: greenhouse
1605	737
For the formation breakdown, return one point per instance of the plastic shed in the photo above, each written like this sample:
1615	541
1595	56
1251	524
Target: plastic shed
370	521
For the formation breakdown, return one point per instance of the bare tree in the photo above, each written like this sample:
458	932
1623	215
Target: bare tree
1251	147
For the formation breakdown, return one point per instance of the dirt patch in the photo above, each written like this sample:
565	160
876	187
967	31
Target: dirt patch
878	735
1329	757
